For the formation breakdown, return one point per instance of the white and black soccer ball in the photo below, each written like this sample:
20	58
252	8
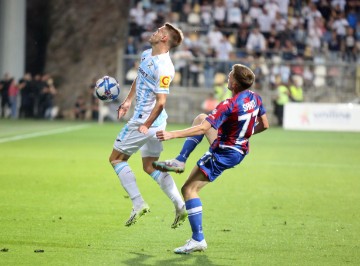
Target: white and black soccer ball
107	89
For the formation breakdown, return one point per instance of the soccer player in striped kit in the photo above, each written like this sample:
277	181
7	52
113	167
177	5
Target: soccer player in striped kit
228	129
150	89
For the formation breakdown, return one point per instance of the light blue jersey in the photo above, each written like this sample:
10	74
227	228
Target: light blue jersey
154	76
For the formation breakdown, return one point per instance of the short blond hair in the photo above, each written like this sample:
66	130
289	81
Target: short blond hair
243	76
176	35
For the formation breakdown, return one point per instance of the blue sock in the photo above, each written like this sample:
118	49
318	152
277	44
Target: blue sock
194	209
189	145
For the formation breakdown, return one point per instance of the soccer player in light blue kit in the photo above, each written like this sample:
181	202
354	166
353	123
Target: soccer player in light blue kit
228	129
150	89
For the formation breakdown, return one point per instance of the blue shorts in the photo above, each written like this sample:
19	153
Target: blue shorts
214	162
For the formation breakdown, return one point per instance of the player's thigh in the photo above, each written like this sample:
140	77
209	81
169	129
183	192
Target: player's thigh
211	135
196	180
153	147
130	140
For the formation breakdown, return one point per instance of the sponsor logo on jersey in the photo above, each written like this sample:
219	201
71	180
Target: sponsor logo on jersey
164	82
142	72
249	106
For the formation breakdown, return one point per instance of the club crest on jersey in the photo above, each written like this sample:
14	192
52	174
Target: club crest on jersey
164	82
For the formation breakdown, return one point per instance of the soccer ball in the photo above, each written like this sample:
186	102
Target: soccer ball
107	89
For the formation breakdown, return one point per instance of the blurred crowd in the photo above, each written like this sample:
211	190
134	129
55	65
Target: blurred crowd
29	97
34	97
221	32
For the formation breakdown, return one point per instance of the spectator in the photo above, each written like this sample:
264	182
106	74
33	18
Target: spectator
209	103
181	58
241	40
233	16
256	43
296	91
94	101
273	43
130	50
315	34
254	12
209	67
149	18
195	67
352	18
80	108
26	87
265	23
219	13
282	98
350	46
333	47
300	36
213	36
47	94
4	87
223	50
37	85
339	26
272	9
221	90
50	107
324	9
13	98
206	14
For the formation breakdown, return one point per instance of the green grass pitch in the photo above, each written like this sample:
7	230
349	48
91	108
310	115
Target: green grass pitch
294	200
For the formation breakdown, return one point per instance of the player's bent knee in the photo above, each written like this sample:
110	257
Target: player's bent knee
199	119
186	191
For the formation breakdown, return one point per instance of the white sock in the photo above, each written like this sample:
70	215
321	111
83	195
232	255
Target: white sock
128	181
167	184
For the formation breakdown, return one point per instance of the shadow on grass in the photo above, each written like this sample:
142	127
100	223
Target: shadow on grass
193	259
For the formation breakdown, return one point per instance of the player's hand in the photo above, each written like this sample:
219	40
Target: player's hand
163	135
143	129
123	109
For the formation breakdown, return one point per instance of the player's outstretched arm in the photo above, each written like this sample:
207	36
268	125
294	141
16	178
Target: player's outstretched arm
188	132
262	124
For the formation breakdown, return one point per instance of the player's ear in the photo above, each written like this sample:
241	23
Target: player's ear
165	37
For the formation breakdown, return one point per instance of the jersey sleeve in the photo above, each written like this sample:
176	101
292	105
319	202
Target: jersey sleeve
219	114
262	109
163	79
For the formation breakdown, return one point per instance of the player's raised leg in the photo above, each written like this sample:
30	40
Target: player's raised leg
177	165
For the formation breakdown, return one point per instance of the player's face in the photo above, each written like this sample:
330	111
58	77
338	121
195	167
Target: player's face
157	36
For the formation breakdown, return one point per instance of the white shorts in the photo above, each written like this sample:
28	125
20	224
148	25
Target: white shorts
130	140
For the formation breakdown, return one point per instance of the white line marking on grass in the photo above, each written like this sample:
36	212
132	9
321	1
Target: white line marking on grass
44	133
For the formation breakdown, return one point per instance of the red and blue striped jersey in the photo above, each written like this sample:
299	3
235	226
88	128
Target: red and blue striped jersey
235	119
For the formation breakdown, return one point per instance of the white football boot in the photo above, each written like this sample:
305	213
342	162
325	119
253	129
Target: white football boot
191	246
